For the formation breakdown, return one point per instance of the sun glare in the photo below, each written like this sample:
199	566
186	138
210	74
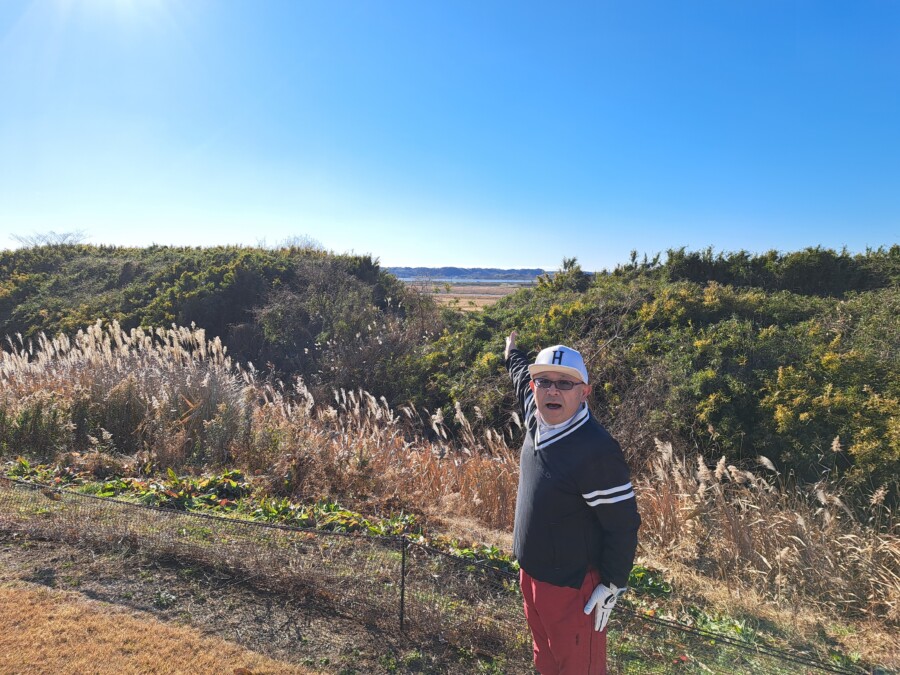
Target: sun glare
119	14
124	5
122	8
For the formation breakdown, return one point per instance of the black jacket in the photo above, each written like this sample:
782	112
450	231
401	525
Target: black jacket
575	506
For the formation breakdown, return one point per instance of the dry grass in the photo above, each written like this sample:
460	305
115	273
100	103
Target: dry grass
466	302
797	623
356	446
61	632
733	526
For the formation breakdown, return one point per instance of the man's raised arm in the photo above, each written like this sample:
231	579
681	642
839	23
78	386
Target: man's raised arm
517	365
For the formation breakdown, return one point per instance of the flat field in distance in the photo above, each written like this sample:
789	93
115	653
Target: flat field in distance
468	296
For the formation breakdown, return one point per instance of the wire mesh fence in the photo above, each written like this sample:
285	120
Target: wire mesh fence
389	582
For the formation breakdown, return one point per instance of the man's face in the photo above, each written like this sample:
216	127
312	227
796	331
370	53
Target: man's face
556	405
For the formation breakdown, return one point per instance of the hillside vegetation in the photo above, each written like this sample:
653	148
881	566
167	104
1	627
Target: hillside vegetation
793	357
332	319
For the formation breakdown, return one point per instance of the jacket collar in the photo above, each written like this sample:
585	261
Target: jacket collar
547	434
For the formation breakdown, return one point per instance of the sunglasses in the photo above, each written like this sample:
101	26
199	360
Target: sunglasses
561	385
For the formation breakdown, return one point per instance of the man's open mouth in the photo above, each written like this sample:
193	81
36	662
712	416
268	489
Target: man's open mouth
553	406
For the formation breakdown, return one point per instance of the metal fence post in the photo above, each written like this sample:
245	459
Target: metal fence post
402	579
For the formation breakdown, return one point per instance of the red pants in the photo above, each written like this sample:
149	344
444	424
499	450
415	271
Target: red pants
565	642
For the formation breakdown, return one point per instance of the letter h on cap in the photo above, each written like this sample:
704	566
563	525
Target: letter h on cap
557	357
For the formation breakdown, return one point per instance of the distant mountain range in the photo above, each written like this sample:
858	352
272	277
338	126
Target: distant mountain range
463	273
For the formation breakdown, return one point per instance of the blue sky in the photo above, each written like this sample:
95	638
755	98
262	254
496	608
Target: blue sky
475	134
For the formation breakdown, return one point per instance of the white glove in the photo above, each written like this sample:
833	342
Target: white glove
603	599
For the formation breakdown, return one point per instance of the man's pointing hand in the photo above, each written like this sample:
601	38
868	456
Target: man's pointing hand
510	344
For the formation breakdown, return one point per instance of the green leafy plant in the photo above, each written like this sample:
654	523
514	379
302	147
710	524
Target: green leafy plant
650	582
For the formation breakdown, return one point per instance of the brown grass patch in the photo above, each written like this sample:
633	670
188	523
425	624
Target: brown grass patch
468	297
49	631
466	302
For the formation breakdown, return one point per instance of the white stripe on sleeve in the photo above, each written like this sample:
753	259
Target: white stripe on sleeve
599	493
611	500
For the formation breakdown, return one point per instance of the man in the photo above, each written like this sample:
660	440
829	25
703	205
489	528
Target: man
576	521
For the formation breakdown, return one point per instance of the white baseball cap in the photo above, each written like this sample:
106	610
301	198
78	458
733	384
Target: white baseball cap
560	359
